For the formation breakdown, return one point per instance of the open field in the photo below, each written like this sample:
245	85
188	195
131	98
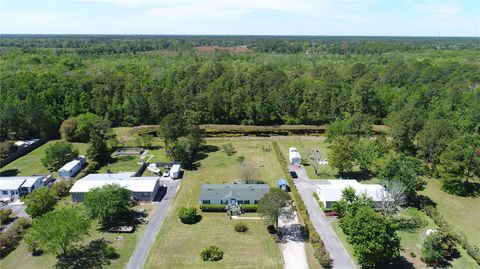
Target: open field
178	245
21	258
231	49
463	213
31	163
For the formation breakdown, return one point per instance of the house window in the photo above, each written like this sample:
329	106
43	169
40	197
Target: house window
5	192
243	202
12	192
206	202
145	194
256	202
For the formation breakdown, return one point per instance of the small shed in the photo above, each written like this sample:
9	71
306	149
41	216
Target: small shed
175	171
283	184
294	156
71	168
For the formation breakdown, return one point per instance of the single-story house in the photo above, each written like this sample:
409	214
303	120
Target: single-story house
72	167
332	192
175	171
294	156
283	184
13	187
143	188
232	193
10	187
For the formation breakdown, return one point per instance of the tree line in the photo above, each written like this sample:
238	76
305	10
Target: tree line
41	89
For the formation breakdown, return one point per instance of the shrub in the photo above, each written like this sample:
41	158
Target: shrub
228	149
211	253
271	229
5	215
414	219
188	215
62	187
23	223
240	159
249	208
241	227
213	208
320	203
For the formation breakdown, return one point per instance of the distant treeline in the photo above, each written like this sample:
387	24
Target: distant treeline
111	44
43	87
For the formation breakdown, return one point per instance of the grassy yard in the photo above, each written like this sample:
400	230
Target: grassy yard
461	212
325	171
179	245
31	163
21	258
411	242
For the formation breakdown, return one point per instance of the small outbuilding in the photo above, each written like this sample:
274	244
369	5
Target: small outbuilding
232	193
283	184
31	184
71	168
175	171
294	156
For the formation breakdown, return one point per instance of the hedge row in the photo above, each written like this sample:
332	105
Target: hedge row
213	208
249	208
222	208
319	250
460	237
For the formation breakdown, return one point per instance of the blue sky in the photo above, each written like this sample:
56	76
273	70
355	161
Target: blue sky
243	17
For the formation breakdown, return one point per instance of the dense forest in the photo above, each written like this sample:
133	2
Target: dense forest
132	80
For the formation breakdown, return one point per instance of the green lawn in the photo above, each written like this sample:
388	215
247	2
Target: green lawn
463	213
31	163
324	171
21	258
178	245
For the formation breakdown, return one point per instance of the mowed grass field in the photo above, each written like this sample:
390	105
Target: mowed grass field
31	164
179	245
324	171
21	258
463	213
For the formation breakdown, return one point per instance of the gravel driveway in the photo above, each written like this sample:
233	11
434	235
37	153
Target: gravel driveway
292	244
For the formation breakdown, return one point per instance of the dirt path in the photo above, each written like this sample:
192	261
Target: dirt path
292	244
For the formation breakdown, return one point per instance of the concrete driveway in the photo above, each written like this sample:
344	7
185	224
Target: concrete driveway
156	220
306	187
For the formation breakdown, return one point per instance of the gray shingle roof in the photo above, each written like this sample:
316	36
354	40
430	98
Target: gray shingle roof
237	191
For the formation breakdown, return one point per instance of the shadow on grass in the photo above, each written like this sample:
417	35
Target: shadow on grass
400	263
9	173
94	255
358	175
199	156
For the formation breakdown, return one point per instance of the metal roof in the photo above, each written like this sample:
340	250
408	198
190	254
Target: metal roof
333	190
237	191
126	180
70	165
11	183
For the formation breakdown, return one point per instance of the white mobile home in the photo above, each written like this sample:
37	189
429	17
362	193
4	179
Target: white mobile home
175	171
294	156
71	168
13	187
332	192
143	188
10	187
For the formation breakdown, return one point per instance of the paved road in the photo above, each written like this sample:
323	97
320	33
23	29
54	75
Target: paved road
306	188
146	241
